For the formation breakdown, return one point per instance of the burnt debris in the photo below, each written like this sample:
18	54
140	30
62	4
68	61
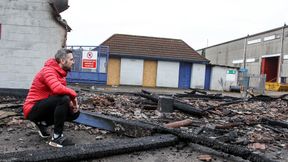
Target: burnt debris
254	129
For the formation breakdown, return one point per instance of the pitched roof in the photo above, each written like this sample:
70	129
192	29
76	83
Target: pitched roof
152	48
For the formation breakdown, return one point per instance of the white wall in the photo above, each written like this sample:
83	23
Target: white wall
218	78
102	65
29	36
167	74
198	76
131	71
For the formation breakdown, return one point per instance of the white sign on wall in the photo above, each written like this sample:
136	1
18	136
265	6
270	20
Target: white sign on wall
231	75
89	59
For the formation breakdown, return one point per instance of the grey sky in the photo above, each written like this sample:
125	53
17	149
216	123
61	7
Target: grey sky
195	22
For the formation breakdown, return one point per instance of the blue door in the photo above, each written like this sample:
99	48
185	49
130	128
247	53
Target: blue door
207	77
184	75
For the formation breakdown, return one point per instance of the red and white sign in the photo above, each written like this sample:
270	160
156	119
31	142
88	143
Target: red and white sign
89	59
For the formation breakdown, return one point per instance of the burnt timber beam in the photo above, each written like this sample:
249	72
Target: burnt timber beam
140	126
92	151
275	122
217	145
177	105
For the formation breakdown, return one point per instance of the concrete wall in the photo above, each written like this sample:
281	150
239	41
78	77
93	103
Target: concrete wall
258	45
29	36
131	71
167	74
198	76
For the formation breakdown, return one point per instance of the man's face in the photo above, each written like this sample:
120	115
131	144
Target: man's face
68	62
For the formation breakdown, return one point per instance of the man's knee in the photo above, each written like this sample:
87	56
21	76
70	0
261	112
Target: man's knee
73	116
65	99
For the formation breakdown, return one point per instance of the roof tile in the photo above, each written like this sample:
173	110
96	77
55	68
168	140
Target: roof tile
152	47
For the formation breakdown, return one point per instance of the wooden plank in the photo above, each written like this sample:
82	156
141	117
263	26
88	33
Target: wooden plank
113	71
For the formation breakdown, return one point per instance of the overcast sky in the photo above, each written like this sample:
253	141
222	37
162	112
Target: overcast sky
197	22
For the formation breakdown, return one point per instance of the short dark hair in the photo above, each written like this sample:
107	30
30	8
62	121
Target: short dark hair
62	54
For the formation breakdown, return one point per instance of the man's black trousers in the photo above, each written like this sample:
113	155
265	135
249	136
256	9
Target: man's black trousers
53	110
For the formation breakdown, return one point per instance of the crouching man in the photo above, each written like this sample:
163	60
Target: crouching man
49	101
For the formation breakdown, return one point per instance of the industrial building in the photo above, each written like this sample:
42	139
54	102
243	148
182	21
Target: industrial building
31	31
261	53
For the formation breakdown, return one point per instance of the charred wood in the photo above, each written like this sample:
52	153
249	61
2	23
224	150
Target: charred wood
208	96
217	145
275	122
177	105
194	91
223	104
150	97
149	107
188	109
236	124
262	98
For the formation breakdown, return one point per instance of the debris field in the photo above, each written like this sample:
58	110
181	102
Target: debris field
252	129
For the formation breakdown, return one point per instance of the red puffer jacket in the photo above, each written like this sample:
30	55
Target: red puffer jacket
48	82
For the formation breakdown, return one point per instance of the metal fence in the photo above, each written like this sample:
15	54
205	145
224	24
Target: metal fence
252	82
96	75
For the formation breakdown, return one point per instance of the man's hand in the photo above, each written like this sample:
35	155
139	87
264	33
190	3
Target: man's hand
74	105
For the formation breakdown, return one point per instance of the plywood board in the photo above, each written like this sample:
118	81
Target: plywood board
149	74
113	73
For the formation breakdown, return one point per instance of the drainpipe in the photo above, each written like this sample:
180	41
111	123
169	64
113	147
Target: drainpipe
244	53
281	55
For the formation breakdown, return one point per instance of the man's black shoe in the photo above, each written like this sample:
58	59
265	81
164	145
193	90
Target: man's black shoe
42	130
60	141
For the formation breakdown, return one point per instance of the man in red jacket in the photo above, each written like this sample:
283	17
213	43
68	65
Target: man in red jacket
49	101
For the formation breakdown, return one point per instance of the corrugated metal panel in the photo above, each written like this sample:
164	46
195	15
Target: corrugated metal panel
167	74
185	75
113	77
131	72
150	71
198	76
207	77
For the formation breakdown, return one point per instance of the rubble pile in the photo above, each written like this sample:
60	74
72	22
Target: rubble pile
251	123
258	123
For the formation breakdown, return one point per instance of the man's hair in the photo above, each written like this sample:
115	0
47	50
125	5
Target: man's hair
62	54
